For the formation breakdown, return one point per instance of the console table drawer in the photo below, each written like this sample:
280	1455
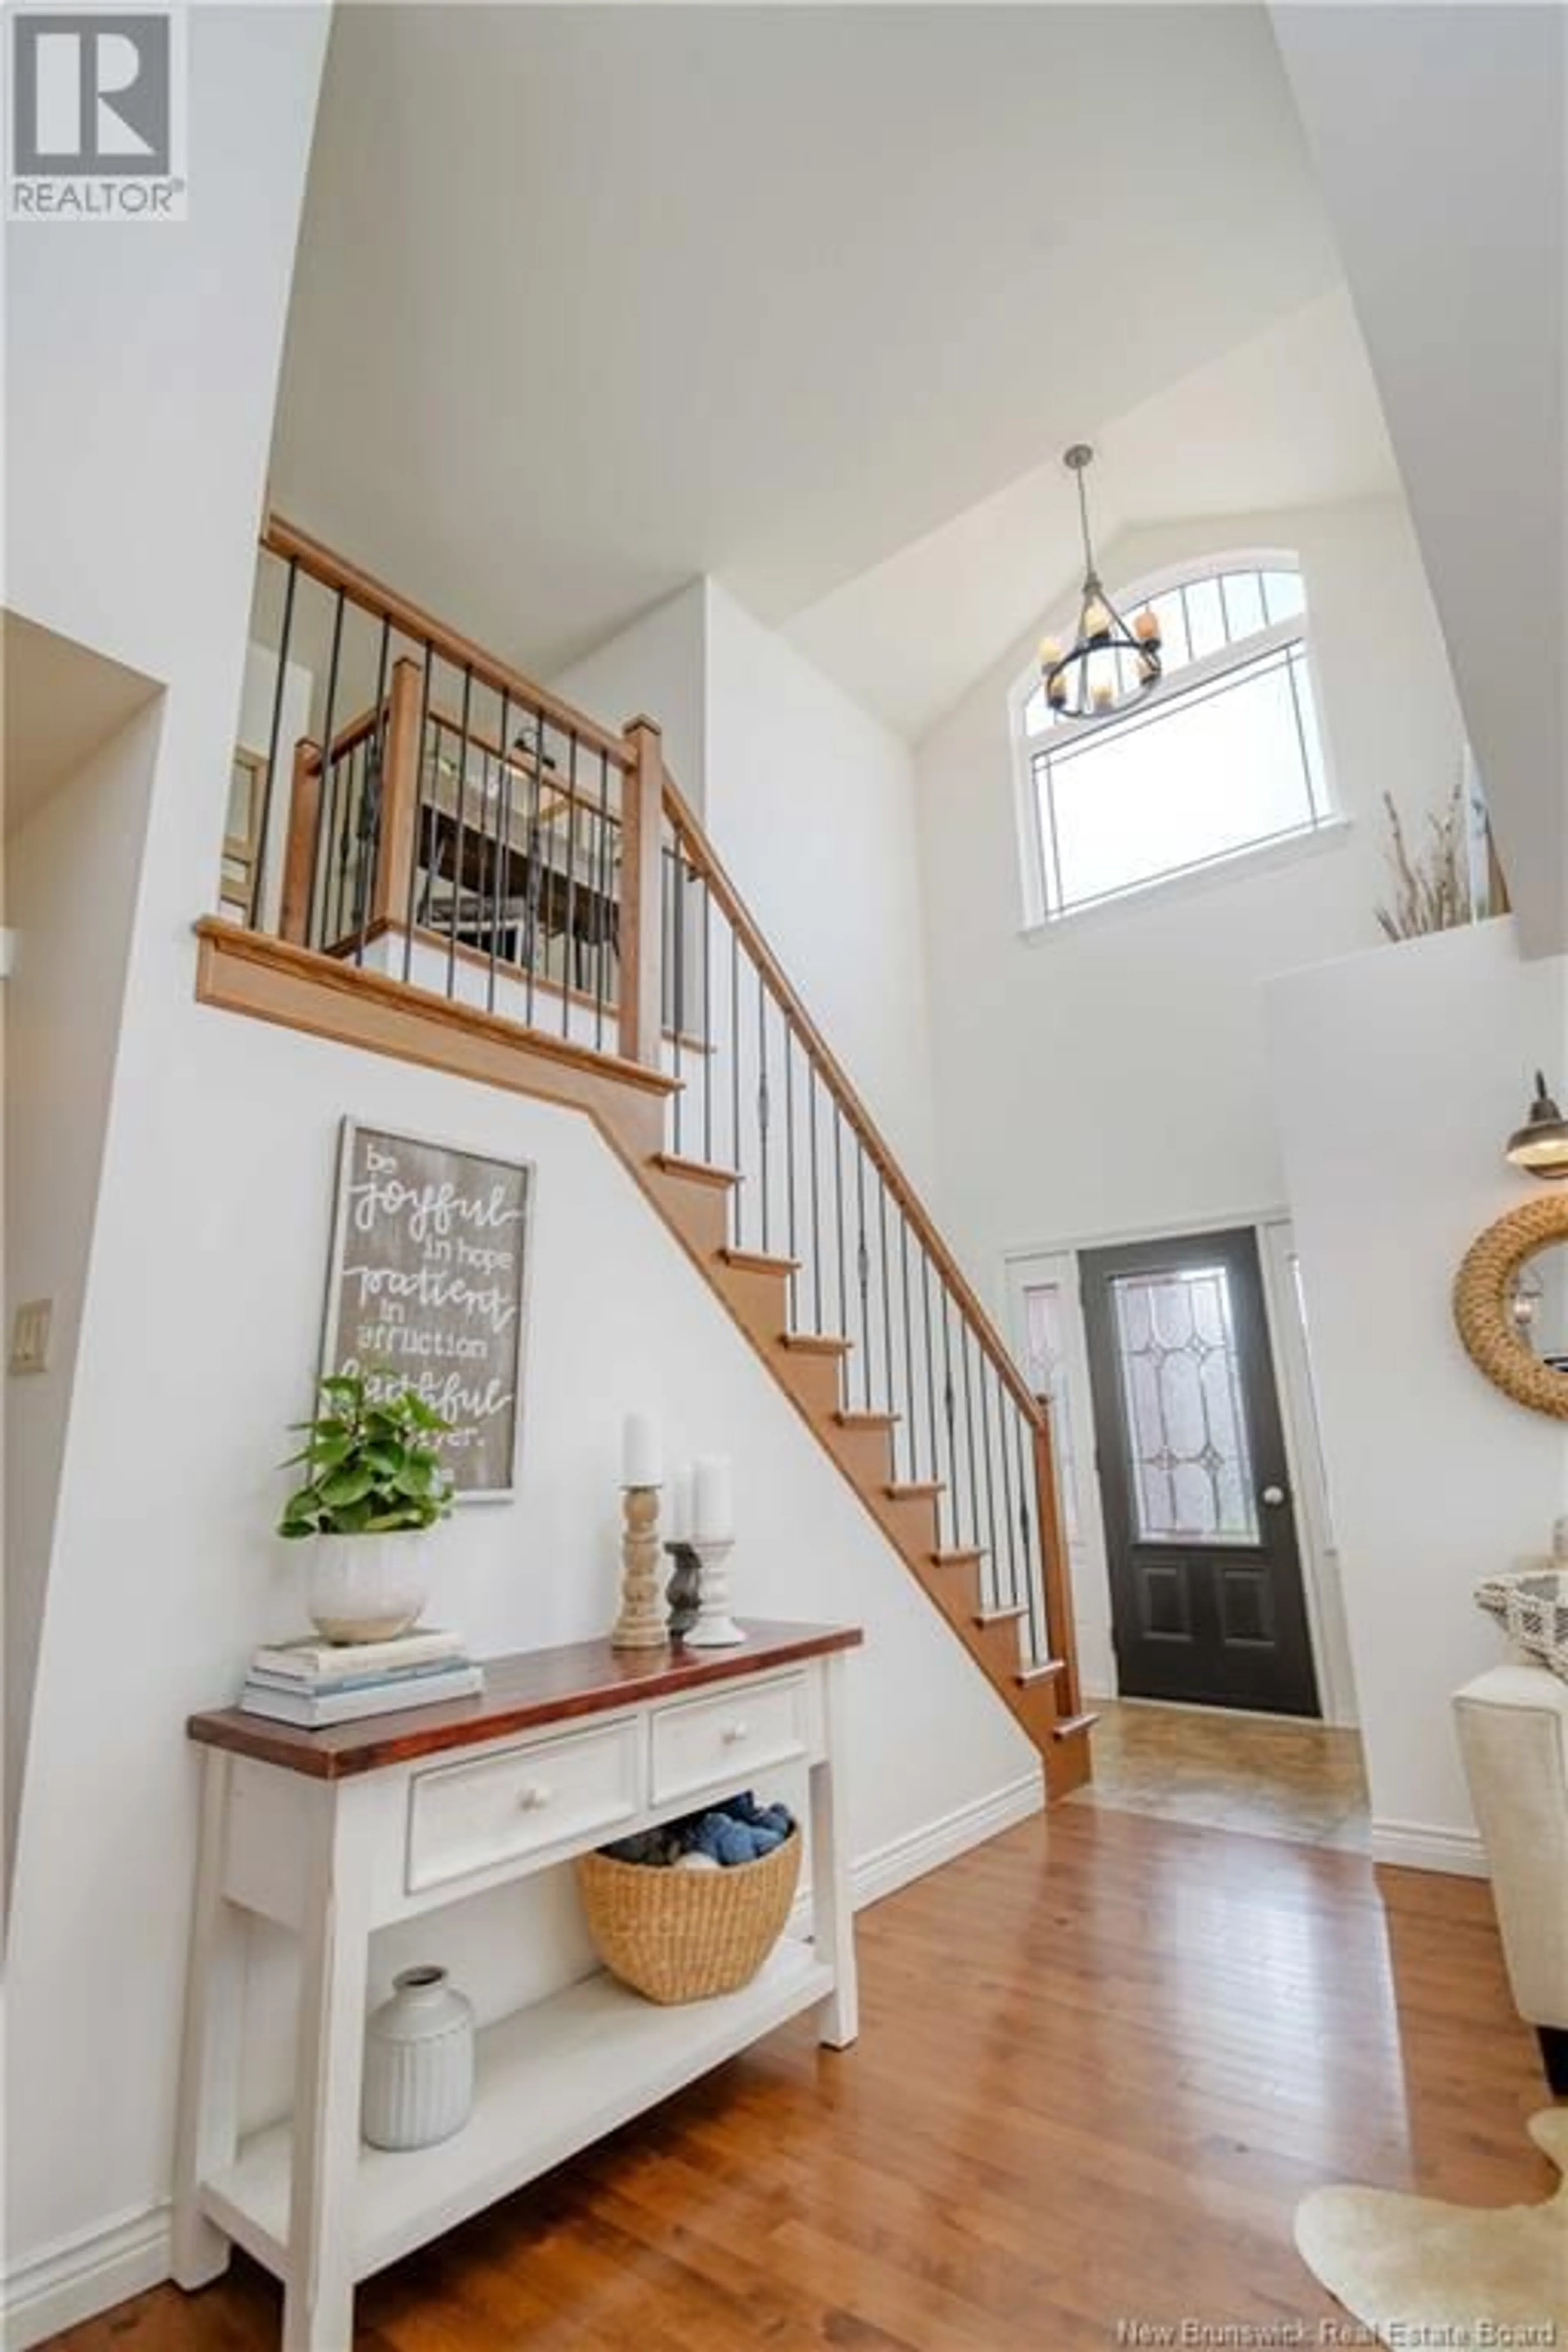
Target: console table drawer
464	1818
703	1743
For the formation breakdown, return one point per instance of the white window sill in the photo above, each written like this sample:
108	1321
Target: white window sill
1164	890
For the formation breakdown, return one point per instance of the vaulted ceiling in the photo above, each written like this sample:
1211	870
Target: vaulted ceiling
594	300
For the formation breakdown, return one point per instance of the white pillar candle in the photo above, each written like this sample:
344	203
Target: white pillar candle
640	1464
677	1506
713	1503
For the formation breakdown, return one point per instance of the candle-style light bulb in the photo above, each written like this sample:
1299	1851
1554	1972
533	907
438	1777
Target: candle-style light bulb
1102	695
1096	619
1146	627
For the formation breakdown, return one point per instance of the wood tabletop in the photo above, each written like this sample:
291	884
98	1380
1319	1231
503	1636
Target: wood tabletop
523	1691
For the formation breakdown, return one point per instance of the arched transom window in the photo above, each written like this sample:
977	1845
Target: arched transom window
1221	759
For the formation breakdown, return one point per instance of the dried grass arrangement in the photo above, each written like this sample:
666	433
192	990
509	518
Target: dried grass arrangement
1434	886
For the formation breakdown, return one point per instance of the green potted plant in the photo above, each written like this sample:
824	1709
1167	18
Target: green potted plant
374	1487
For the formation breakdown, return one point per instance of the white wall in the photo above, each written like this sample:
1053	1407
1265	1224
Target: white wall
1440	140
206	1315
70	884
656	667
1110	1076
811	802
1397	1076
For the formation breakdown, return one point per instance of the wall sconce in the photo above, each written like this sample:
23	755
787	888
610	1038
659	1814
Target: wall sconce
1540	1146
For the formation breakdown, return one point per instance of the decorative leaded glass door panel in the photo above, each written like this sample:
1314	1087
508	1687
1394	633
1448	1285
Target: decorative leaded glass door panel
1206	1576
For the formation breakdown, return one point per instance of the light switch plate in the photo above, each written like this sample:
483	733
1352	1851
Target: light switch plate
30	1336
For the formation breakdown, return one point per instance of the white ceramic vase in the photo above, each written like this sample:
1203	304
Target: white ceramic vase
418	2062
367	1588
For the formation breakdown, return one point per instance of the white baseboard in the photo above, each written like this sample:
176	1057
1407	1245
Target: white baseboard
887	1867
1415	1845
79	2276
890	1866
82	2275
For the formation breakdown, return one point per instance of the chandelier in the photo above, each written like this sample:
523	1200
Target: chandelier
1085	679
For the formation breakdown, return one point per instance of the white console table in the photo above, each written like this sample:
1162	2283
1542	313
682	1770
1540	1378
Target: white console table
335	1834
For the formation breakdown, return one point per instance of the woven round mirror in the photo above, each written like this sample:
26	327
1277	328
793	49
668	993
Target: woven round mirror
1510	1302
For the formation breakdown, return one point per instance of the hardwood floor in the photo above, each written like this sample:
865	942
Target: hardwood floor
1218	1770
1100	2059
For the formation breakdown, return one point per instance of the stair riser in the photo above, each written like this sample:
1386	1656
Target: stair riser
699	1214
760	1300
863	1452
813	1380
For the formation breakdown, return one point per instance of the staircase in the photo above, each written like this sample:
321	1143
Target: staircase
469	872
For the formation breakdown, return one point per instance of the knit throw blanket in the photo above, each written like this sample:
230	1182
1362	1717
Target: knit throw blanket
1532	1610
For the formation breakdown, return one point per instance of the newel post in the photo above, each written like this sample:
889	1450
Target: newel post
1054	1575
399	796
641	1025
299	846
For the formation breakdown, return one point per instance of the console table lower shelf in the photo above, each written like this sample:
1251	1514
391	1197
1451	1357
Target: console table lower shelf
335	1834
550	2080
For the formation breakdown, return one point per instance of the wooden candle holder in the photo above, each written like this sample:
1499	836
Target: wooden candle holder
641	1622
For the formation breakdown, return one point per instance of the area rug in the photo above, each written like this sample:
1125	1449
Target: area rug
1416	2272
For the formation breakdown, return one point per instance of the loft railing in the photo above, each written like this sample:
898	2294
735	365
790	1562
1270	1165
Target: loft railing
428	813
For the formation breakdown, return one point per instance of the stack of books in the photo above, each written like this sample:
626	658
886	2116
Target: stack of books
314	1683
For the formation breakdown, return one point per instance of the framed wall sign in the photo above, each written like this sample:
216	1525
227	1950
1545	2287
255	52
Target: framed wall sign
427	1289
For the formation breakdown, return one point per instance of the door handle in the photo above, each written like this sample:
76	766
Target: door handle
1274	1497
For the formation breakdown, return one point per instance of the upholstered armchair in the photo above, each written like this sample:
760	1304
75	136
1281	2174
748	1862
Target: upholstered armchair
1513	1734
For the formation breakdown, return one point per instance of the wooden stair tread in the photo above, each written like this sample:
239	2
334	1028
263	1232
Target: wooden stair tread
999	1616
888	1421
1073	1727
1047	1671
914	1490
696	1172
960	1557
815	1343
759	1261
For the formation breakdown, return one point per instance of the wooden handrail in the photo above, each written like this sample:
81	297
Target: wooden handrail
700	854
294	546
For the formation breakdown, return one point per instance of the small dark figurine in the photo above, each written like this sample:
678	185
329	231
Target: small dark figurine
683	1589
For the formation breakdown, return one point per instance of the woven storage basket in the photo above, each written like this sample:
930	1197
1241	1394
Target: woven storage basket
685	1935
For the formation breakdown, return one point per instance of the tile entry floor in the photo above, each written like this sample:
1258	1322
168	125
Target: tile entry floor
1216	1770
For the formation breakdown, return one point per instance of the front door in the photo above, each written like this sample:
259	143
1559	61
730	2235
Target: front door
1206	1576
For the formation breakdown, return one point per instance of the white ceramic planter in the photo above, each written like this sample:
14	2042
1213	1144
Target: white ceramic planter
418	2062
366	1587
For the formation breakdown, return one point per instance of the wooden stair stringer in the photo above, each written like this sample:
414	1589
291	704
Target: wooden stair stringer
809	1374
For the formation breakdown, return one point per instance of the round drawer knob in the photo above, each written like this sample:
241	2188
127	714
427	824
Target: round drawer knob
537	1793
733	1733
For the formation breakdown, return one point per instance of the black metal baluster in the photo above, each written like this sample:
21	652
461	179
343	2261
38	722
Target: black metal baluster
737	1189
500	870
908	1352
764	1106
461	836
995	1556
968	1434
813	1083
423	822
839	1208
570	969
950	1411
320	873
257	880
532	894
1007	1413
707	1022
863	1273
789	1164
1034	1585
679	988
602	872
886	1302
930	1356
373	771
